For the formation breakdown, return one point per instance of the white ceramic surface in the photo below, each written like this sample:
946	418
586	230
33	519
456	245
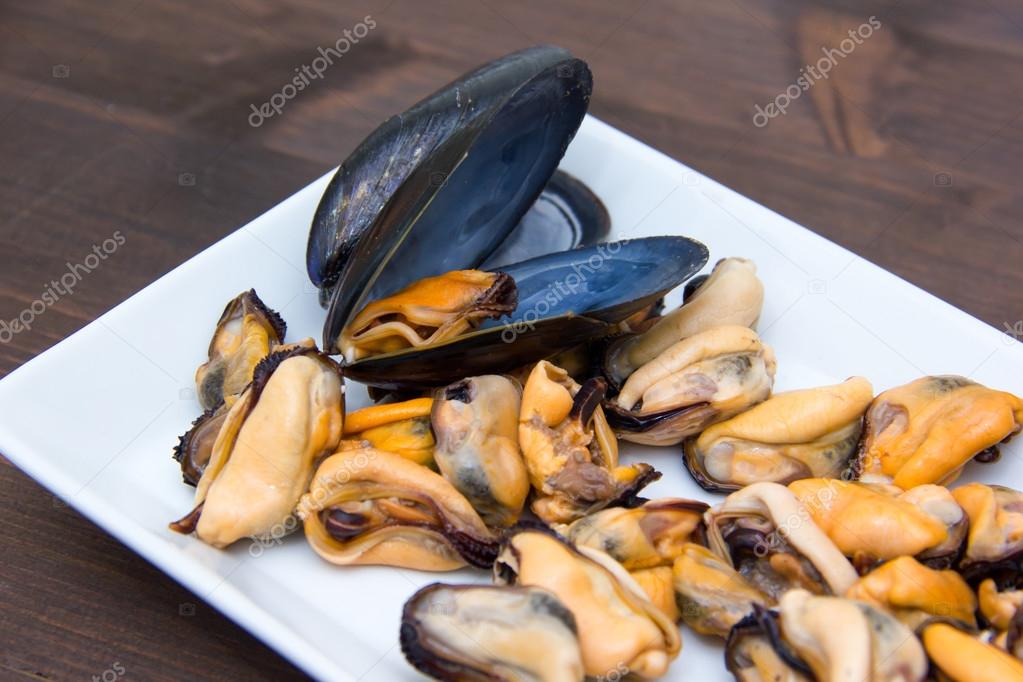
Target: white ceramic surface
94	418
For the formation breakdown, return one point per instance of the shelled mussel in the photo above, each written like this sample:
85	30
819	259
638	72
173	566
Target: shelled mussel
618	625
246	333
263	457
569	449
766	534
399	427
368	506
476	421
793	435
703	379
813	637
483	632
927	430
731	295
871	523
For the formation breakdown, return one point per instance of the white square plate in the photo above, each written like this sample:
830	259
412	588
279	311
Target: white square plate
94	418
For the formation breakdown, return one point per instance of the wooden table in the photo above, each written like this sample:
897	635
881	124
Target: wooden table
134	117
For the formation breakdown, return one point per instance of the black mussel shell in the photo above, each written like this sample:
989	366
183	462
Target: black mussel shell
566	215
195	447
461	203
383	161
564	299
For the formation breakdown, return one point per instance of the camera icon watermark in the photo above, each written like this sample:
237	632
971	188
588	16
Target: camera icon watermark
61	71
187	609
186	179
943	179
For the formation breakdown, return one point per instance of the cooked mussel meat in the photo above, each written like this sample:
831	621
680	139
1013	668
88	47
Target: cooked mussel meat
476	423
477	632
194	449
813	637
428	312
994	546
652	534
771	539
999	608
731	295
712	596
872	522
283	423
928	429
618	625
399	427
369	506
246	333
659	588
914	593
569	449
961	656
797	434
692	384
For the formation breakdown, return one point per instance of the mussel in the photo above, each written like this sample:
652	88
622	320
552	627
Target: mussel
928	429
427	313
703	379
488	633
369	506
659	588
813	637
994	547
423	337
246	333
652	534
871	523
961	656
194	449
476	423
399	427
771	539
569	449
999	608
712	596
914	593
618	625
731	295
526	105
283	423
797	434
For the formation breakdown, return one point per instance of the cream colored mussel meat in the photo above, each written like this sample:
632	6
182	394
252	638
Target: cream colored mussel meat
797	434
731	295
369	506
284	422
705	378
618	624
246	333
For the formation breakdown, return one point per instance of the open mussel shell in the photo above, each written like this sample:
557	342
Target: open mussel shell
384	160
489	633
564	299
457	206
567	214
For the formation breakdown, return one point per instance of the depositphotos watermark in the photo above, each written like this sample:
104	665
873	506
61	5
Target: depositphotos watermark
57	289
307	73
811	74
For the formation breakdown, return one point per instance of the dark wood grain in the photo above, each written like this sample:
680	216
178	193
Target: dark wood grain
133	116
